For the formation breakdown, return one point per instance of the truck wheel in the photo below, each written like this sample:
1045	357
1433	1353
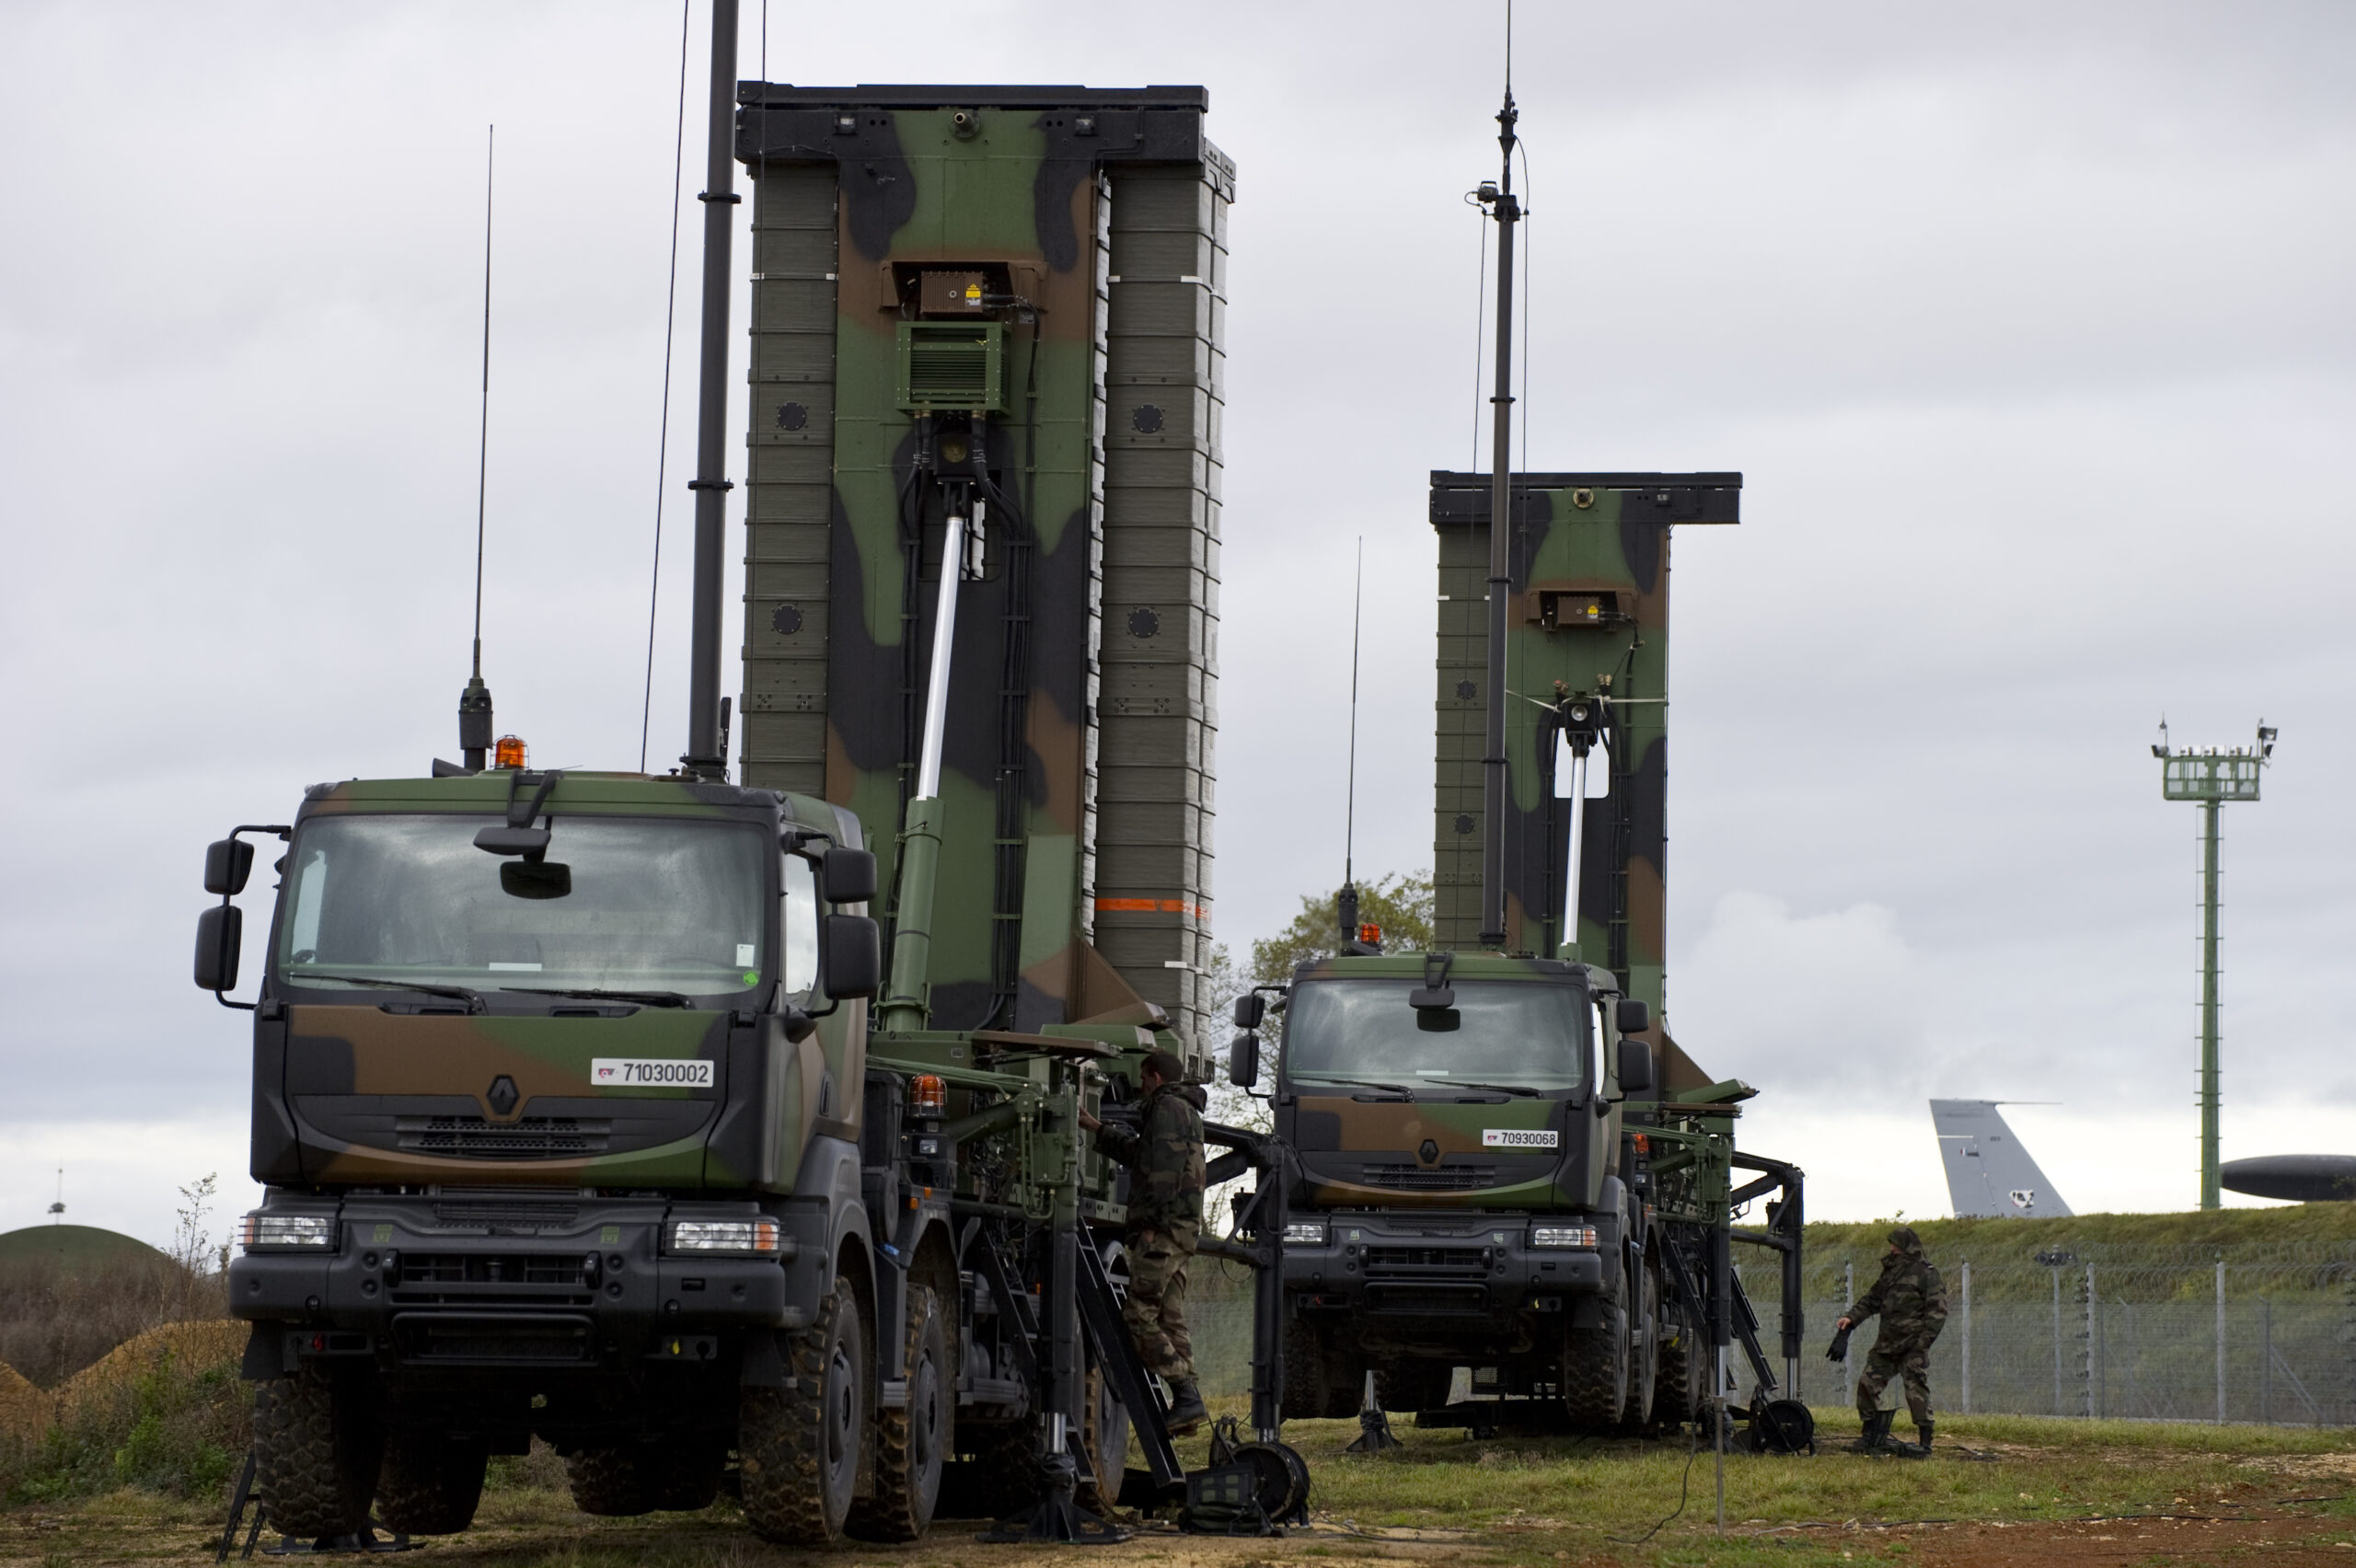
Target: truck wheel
911	1441
1107	1439
609	1482
1320	1381
318	1444
1684	1377
429	1484
1595	1368
1406	1386
686	1478
799	1447
1644	1352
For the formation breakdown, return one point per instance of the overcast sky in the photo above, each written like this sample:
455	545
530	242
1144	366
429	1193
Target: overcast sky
2030	329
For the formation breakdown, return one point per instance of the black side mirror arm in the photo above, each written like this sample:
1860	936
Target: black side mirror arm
226	865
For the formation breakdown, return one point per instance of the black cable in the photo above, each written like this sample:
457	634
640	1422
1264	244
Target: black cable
1693	1452
662	443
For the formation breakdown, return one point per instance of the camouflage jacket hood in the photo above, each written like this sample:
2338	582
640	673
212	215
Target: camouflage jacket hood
1164	1154
1910	1298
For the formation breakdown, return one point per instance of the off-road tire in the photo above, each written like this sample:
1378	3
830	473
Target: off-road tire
686	1478
1640	1410
1409	1385
609	1482
798	1446
1321	1383
429	1484
912	1442
318	1444
1106	1440
1595	1369
1682	1380
1002	1477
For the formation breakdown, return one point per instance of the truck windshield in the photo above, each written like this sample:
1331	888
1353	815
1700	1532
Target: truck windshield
648	905
1500	1031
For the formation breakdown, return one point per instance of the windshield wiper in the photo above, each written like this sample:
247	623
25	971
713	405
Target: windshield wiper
473	999
650	999
1365	1083
1476	1083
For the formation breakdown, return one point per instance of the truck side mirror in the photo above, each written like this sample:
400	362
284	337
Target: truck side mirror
854	956
849	876
1636	1065
1250	1008
1243	1058
226	865
1633	1016
220	933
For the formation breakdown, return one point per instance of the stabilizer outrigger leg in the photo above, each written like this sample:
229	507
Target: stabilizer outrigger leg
1374	1427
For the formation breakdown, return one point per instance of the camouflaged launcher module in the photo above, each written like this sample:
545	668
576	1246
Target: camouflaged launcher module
1505	1163
573	1114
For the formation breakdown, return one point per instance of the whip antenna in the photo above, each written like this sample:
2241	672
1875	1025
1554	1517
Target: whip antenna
474	703
670	318
1346	903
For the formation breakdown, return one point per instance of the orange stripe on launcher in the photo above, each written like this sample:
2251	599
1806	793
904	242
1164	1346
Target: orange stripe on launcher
1154	906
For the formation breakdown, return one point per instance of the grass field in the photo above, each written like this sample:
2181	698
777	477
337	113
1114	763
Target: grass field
2005	1490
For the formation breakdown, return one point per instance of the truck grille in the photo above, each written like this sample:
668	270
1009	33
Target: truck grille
530	1137
1431	1178
1424	1258
542	1279
515	1216
1427	1299
483	1340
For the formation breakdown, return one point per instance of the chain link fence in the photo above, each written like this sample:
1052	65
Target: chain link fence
2148	1334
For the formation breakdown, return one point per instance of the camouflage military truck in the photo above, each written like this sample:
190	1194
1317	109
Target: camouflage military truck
574	1117
1506	1164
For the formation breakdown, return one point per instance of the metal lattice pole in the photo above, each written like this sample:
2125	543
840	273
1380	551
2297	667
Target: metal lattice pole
2209	1185
1849	1294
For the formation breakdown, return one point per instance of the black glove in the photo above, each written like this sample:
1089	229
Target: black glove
1840	1348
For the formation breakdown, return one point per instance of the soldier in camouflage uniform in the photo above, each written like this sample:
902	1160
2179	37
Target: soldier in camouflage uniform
1164	1154
1912	1301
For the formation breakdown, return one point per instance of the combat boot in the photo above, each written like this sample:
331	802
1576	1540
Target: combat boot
1876	1438
1187	1409
1921	1447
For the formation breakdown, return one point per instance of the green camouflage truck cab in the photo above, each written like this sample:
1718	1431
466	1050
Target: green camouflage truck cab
1464	1196
1497	1144
548	1085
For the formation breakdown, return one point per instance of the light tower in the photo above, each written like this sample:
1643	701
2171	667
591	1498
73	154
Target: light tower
2211	777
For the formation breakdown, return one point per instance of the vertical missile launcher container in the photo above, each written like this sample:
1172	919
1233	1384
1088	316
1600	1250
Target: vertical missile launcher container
1506	1163
582	1102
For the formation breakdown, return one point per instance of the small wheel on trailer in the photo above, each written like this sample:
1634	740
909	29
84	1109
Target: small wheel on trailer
430	1484
912	1442
799	1447
319	1441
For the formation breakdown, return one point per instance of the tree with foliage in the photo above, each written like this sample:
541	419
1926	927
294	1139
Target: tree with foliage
1402	904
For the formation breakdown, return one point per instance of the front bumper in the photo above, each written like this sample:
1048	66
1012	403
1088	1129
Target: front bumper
1402	1269
511	1281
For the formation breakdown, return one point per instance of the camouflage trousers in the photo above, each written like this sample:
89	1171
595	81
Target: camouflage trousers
1912	1366
1155	1311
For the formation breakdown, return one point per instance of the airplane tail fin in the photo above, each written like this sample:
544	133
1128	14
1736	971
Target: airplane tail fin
1990	1173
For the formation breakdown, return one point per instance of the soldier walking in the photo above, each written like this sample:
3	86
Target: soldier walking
1164	1154
1912	1301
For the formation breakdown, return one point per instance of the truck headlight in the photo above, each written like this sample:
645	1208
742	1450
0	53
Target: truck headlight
758	1238
1305	1233
287	1232
1562	1236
